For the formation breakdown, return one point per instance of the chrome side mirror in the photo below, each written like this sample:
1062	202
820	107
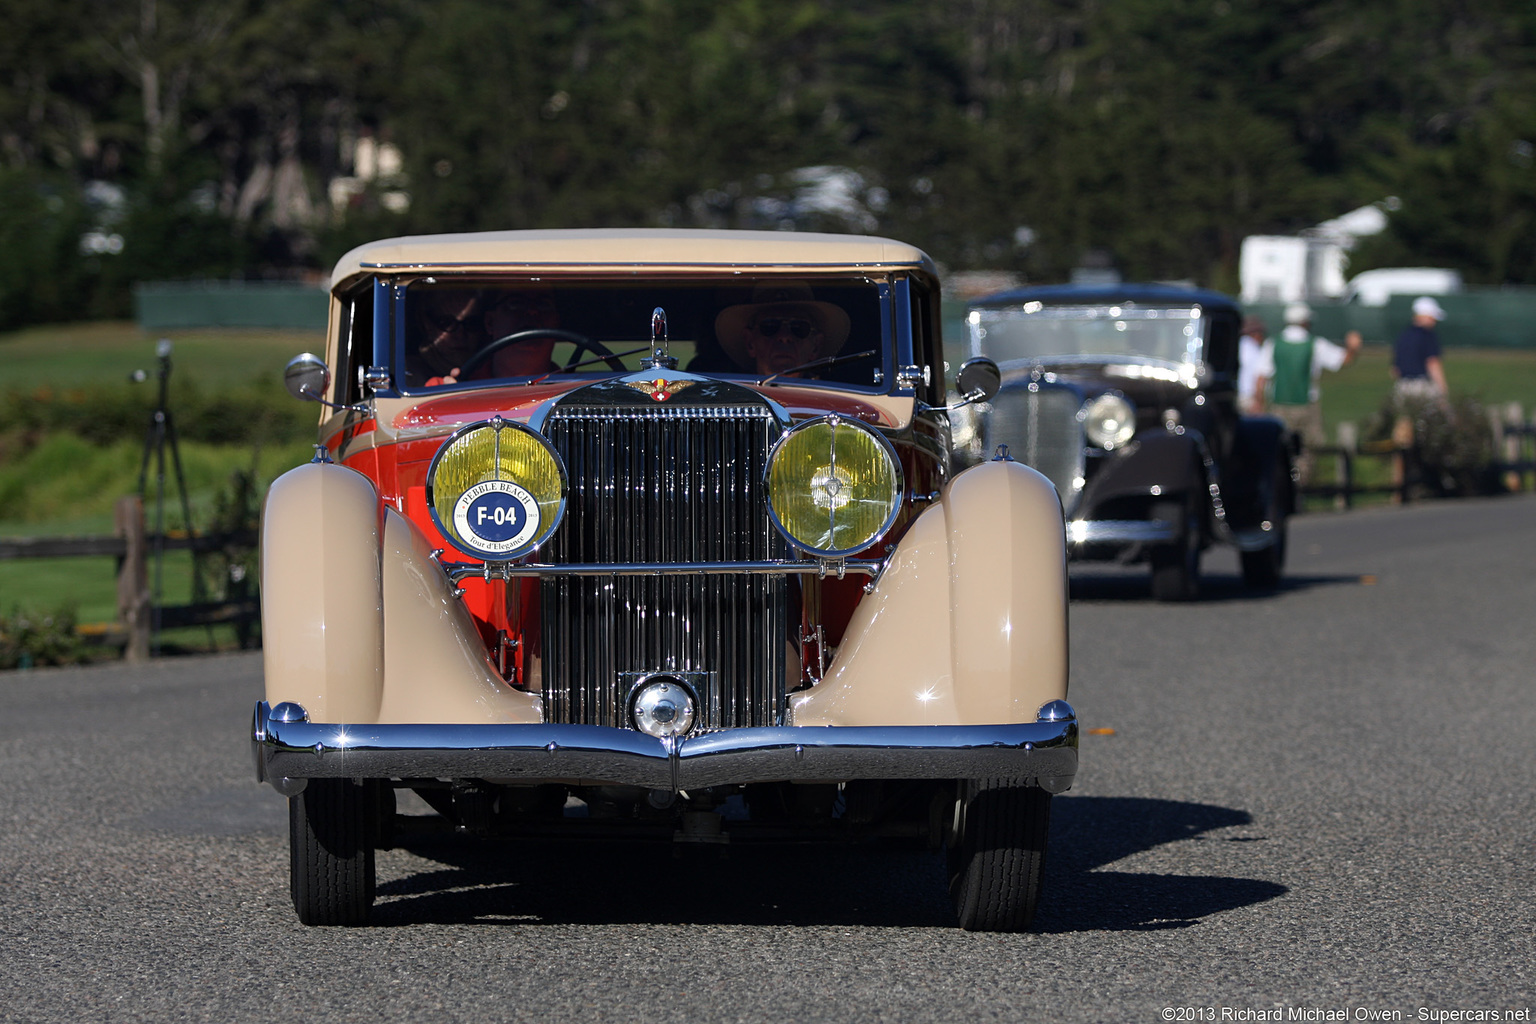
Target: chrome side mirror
307	378
979	380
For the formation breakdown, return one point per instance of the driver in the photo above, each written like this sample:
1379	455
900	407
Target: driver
504	313
450	325
781	328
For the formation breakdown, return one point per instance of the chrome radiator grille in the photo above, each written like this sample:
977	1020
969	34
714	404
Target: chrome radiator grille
664	484
1039	425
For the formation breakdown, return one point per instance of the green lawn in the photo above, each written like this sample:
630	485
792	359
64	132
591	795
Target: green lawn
87	584
62	486
1357	393
1492	376
67	486
75	355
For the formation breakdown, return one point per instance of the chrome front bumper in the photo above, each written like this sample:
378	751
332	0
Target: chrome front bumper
288	752
1121	531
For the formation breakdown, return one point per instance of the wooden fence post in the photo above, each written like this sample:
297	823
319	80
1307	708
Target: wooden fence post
1511	450
1344	467
1402	441
133	610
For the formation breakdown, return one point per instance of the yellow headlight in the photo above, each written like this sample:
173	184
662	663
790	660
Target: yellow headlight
496	489
834	486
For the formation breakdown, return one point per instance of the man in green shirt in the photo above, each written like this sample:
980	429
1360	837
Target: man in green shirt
1292	364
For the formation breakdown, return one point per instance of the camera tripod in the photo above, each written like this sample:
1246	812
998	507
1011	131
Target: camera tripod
160	435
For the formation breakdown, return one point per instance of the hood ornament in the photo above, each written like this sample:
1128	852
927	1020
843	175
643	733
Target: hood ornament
660	357
660	389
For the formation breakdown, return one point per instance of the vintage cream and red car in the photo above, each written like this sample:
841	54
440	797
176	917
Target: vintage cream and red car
655	534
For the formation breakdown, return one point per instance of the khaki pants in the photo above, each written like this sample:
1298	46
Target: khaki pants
1306	421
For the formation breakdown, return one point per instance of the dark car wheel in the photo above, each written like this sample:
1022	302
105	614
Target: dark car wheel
332	828
1262	569
1176	566
997	854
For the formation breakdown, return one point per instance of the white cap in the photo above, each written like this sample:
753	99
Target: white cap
1298	313
1426	306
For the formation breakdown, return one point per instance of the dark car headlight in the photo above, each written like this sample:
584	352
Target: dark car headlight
496	490
1109	421
834	485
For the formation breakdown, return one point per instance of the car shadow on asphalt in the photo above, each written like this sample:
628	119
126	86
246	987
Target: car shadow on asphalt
1090	833
1114	584
869	885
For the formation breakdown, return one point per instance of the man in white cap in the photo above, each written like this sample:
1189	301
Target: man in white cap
1416	367
1293	363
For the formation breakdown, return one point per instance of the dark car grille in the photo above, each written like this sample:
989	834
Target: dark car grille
665	484
1039	425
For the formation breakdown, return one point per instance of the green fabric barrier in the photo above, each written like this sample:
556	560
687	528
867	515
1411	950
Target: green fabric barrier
274	305
1477	318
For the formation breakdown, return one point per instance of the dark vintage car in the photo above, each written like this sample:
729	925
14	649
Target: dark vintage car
1125	397
655	535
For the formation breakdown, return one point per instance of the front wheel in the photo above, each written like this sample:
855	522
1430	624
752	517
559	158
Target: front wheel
1176	566
1262	569
333	826
997	854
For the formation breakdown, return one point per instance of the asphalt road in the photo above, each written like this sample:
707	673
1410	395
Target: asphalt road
1318	800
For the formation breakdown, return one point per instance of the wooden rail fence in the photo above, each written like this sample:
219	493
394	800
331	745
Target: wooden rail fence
138	619
1514	456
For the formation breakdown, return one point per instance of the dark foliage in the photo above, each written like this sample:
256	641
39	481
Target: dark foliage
254	414
29	639
254	138
1451	453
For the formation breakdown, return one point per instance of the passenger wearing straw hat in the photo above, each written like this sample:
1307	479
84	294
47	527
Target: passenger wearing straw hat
784	326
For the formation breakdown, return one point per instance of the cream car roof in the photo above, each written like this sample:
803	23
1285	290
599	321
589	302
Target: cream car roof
659	248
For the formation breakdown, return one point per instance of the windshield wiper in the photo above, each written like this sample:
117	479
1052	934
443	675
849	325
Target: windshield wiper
813	364
589	360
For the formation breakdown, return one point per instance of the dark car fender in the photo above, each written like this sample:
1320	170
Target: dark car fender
1260	458
1170	461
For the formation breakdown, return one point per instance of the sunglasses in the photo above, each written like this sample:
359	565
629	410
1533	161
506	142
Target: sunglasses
771	326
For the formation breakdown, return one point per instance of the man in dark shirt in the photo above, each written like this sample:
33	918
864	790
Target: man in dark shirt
1416	366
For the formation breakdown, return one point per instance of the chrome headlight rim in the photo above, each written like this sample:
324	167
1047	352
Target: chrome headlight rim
1091	420
638	706
545	529
898	483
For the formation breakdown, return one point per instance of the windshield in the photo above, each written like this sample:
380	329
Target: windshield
1035	332
465	332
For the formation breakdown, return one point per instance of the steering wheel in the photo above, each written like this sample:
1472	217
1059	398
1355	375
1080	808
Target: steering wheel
581	341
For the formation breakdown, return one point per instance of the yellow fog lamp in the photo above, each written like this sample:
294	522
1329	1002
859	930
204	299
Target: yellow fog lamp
496	490
834	486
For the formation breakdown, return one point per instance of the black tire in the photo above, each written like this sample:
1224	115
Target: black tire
1176	566
1262	569
332	828
997	854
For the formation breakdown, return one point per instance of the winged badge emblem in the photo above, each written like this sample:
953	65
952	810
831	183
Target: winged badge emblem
659	389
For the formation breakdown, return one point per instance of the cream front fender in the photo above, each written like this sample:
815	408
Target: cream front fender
338	567
436	668
968	623
322	611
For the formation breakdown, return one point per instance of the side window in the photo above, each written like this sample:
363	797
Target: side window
356	348
927	346
1221	345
